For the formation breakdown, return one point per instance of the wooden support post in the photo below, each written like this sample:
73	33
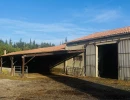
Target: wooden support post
1	62
66	64
64	68
12	66
23	64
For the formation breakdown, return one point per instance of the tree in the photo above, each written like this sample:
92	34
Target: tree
1	41
20	45
30	41
6	42
10	42
66	40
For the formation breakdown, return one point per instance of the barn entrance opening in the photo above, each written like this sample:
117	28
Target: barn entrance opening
108	61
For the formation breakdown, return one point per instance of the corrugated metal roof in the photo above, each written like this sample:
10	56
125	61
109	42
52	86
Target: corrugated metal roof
104	34
39	50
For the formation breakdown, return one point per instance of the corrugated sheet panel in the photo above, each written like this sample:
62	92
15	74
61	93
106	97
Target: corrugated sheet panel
124	60
91	60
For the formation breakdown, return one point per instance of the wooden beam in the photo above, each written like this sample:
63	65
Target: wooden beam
1	62
12	66
55	53
42	54
29	60
23	63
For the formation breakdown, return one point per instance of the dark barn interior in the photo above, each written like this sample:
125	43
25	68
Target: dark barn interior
108	61
39	64
44	64
6	62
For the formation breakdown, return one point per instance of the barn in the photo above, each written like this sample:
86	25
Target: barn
106	54
40	60
102	54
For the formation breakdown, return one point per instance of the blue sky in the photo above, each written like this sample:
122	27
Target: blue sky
54	20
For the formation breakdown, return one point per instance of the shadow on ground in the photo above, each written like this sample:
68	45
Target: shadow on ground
94	89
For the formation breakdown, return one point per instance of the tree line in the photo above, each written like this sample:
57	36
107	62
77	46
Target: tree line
10	46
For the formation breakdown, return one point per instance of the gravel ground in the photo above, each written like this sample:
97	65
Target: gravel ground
59	87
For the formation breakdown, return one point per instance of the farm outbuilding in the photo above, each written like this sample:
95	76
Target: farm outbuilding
40	60
107	54
102	54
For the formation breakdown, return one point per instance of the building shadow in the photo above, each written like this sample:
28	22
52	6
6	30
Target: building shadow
94	89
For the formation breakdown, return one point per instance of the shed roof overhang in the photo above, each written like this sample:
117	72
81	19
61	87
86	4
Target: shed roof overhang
53	53
37	51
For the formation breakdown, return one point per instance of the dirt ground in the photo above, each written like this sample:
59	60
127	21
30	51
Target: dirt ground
43	88
60	87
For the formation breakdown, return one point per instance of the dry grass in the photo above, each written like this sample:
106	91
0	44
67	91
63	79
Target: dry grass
41	88
60	87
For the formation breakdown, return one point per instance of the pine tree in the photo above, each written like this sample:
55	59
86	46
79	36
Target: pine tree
10	42
6	42
66	40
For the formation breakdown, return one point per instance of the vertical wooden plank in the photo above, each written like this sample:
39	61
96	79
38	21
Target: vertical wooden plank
64	67
23	63
1	64
12	66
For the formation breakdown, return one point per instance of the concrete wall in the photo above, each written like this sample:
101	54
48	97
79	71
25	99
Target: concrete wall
75	67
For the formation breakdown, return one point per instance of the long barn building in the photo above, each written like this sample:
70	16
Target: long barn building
102	54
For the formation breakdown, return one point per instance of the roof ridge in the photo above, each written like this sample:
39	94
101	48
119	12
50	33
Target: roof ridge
104	33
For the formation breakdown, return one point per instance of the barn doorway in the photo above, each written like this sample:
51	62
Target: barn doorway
108	61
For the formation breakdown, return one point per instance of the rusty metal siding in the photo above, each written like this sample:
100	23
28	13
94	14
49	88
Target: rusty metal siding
124	60
91	60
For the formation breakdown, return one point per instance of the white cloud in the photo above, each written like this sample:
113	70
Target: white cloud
105	16
98	14
28	26
16	29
